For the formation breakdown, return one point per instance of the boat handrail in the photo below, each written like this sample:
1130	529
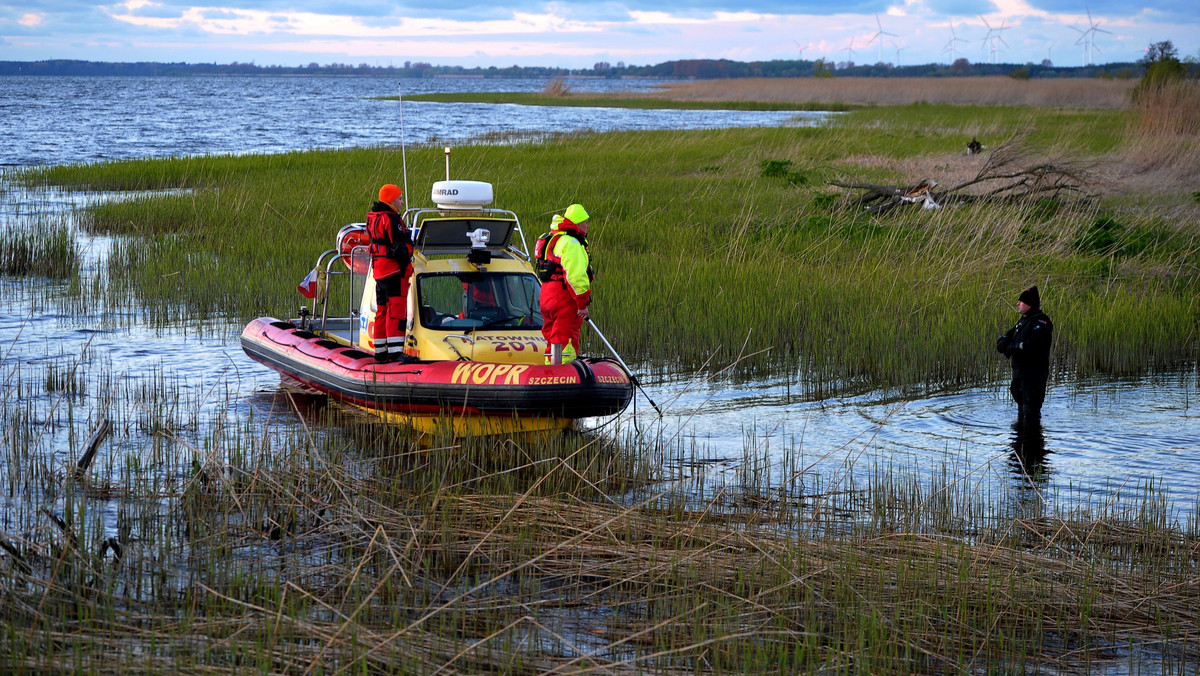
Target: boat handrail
415	216
326	260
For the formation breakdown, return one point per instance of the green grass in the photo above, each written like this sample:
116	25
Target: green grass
706	250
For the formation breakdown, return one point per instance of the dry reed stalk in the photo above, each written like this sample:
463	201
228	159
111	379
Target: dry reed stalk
556	87
1161	152
1170	108
722	579
990	91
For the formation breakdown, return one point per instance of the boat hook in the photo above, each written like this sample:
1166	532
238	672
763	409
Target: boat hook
620	361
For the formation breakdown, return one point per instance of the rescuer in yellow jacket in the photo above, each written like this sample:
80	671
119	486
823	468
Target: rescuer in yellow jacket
566	295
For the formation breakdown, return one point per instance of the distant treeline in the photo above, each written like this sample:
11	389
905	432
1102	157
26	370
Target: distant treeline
690	69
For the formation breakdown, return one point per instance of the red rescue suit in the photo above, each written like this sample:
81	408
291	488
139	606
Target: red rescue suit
391	251
569	289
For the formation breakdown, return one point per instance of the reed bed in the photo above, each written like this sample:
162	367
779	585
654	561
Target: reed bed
627	100
304	540
903	91
45	249
705	257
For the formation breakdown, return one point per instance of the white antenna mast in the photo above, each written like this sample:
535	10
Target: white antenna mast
403	156
447	163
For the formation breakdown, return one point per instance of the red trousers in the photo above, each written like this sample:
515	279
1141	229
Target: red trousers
391	315
560	315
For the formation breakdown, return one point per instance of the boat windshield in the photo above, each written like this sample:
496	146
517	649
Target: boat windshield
479	300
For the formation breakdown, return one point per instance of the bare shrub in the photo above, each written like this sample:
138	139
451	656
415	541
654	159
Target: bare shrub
1166	108
556	87
1161	152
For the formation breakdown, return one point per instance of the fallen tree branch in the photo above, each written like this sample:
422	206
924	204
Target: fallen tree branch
1019	178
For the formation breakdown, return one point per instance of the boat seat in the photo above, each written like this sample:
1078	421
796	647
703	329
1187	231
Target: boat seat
428	316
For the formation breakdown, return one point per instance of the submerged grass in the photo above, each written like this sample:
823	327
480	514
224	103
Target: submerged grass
45	250
198	545
702	255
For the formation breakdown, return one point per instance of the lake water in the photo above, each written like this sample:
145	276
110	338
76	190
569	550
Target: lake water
1099	440
55	120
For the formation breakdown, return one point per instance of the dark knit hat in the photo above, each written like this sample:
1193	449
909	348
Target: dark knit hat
1030	297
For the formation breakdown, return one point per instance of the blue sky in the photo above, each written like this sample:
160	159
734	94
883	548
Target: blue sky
579	34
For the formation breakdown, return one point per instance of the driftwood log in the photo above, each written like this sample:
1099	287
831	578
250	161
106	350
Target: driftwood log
1009	175
90	446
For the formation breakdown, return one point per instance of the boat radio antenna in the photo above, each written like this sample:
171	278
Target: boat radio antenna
447	163
403	157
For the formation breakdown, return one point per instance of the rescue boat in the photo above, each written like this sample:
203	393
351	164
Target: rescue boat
474	351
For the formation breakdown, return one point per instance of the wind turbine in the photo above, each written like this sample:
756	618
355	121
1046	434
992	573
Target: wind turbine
801	49
1088	37
879	36
993	35
898	48
950	45
1082	38
850	51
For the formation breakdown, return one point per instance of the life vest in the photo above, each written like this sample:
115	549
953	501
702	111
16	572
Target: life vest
548	266
389	254
542	266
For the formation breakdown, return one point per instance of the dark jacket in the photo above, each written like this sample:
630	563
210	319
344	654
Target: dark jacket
1028	344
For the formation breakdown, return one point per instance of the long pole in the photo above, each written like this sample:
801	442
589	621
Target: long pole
403	157
625	366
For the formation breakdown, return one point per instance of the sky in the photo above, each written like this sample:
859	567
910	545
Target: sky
584	33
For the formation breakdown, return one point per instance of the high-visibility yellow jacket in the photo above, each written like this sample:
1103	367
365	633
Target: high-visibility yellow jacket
573	256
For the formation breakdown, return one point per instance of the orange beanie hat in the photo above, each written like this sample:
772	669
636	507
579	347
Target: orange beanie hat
389	193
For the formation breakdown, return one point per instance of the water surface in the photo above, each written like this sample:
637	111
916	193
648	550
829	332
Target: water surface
57	120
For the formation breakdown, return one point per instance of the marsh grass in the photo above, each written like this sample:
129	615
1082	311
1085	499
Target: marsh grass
554	97
305	540
703	257
44	249
834	94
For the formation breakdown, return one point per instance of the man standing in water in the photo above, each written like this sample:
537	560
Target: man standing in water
1027	345
566	295
391	266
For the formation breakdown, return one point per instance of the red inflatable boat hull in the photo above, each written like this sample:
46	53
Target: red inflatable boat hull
583	388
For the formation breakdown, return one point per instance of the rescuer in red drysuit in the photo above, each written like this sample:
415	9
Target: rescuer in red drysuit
391	265
566	295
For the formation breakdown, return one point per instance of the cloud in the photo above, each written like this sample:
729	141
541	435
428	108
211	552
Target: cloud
969	8
575	33
1113	7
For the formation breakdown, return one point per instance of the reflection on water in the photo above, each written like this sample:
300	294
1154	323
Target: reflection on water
1029	451
1094	439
